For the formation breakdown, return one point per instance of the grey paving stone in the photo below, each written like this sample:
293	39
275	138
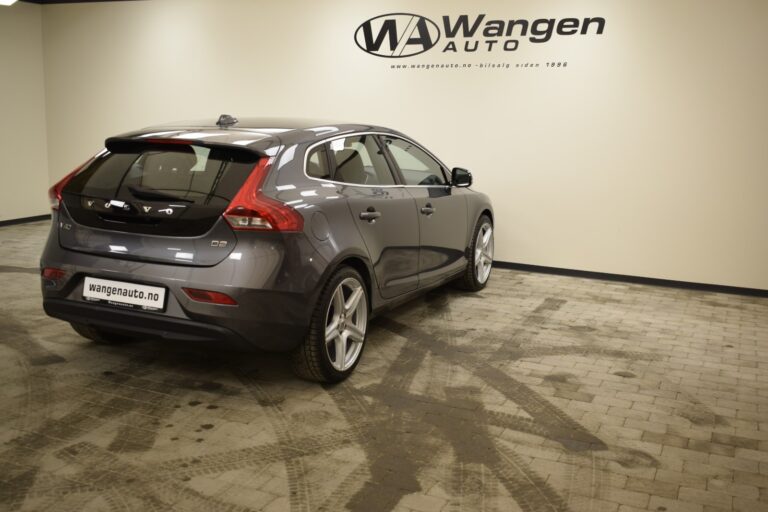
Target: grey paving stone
540	392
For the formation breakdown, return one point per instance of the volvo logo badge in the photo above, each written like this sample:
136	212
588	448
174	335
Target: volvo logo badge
397	35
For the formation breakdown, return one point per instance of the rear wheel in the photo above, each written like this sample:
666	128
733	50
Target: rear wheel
481	256
102	336
337	330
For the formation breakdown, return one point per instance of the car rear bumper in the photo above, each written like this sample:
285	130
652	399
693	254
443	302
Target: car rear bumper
273	336
274	280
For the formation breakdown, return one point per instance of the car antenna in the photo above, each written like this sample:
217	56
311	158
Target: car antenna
226	120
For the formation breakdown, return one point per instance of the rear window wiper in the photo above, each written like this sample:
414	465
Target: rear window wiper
151	194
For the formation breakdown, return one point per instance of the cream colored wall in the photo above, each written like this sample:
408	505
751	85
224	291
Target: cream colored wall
23	159
647	156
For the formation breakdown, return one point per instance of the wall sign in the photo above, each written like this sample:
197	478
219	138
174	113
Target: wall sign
401	35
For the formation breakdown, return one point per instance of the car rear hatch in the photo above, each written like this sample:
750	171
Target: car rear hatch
155	200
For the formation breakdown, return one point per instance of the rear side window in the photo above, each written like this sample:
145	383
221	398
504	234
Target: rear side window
416	166
359	160
193	174
317	164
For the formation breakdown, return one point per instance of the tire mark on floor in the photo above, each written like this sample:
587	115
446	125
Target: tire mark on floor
436	373
33	407
472	443
74	503
596	468
338	498
394	462
539	408
139	431
469	485
107	471
529	490
17	337
299	487
413	430
546	418
395	459
199	465
19	464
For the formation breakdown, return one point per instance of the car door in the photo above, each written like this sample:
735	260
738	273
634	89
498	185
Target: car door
441	209
384	212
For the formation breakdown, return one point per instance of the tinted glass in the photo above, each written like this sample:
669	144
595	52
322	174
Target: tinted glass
360	160
417	167
317	164
162	189
195	174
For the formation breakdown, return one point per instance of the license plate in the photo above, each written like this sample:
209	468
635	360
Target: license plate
127	295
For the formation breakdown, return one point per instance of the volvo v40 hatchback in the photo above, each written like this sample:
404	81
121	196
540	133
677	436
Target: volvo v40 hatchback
279	234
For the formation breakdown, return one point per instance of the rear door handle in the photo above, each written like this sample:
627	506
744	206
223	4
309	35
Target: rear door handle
427	209
370	214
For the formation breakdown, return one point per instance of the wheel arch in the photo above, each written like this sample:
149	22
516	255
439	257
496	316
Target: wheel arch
487	212
362	265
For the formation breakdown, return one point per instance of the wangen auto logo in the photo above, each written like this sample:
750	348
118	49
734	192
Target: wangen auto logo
397	35
401	34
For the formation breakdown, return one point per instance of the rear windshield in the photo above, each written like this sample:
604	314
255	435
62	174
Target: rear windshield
196	175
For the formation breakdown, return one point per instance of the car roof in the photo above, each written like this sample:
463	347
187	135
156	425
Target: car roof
256	134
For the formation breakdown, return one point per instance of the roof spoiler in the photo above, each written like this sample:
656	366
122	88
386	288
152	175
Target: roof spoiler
133	144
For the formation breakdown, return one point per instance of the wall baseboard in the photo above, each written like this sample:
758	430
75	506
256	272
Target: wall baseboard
669	283
24	220
65	1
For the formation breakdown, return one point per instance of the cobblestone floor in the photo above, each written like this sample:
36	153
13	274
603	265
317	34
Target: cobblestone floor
541	393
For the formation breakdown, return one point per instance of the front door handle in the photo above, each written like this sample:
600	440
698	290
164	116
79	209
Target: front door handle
370	215
427	209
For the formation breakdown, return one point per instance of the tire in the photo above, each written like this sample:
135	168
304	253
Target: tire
101	336
331	354
478	269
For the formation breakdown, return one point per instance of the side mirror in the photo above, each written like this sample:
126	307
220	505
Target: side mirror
461	177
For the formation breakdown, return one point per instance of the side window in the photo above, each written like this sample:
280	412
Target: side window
317	164
358	159
417	167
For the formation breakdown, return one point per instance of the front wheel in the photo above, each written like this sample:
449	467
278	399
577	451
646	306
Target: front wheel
337	330
480	256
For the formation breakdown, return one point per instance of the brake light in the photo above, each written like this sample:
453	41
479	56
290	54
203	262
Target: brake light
210	297
183	142
54	193
252	210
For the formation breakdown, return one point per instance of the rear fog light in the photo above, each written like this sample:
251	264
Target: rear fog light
210	297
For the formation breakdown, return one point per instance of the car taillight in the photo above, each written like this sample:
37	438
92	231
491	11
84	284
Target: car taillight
54	193
52	273
52	277
252	210
210	297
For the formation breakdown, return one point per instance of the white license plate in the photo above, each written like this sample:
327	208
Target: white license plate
127	295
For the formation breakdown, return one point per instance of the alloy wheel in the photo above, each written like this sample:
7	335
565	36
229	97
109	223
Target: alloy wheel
345	324
484	253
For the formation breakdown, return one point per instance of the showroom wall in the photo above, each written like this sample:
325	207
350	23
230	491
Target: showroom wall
644	152
23	152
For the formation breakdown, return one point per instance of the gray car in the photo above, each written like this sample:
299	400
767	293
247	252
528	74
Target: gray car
280	234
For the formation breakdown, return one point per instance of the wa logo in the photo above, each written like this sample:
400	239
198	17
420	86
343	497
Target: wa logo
397	35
